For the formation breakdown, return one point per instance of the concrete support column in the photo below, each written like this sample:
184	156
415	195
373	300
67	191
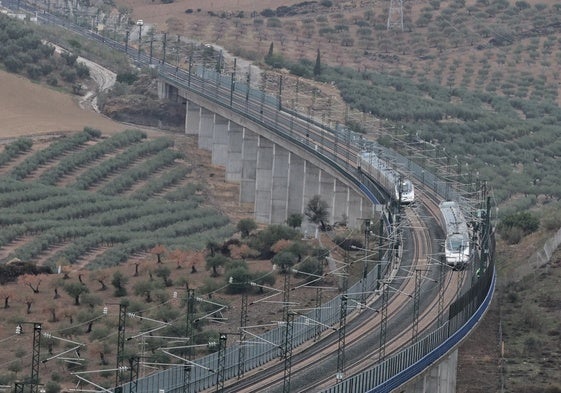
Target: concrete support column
162	90
249	162
311	188
327	192
340	205
206	131
295	202
264	180
192	119
311	181
234	162
354	203
439	378
279	192
442	379
168	92
220	141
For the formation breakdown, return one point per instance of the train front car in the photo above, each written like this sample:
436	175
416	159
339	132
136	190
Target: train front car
456	250
457	244
406	194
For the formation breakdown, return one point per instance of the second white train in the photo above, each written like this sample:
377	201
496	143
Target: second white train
457	243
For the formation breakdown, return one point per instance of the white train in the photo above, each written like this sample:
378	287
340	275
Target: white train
407	192
395	185
457	244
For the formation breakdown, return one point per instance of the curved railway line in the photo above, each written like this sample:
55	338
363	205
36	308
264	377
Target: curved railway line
314	364
408	301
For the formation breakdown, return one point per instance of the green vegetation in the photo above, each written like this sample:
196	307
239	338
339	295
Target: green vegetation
63	146
95	210
91	153
23	52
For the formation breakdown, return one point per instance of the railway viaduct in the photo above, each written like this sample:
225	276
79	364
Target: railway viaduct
279	175
281	160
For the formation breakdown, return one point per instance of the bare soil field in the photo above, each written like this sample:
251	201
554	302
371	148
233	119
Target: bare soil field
30	109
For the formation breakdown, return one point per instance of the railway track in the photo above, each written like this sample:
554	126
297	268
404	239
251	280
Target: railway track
314	365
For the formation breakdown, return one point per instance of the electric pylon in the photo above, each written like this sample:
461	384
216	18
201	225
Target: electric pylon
395	15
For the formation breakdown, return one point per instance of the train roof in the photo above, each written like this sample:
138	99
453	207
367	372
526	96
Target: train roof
454	219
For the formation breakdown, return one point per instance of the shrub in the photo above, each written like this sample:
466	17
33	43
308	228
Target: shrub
310	268
13	64
276	61
284	260
238	279
52	387
533	345
69	75
245	226
69	58
274	22
34	71
82	70
512	235
526	221
99	332
268	13
264	240
127	77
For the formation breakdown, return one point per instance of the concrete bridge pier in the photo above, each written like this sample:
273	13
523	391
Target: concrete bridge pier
234	154
295	198
440	378
264	180
206	130
192	118
340	199
271	174
220	141
249	166
280	188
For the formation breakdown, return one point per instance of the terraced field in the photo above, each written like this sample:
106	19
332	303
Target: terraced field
122	194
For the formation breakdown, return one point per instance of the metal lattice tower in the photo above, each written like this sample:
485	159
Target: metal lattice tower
243	323
395	15
19	387
120	343
441	294
189	331
342	343
380	254
134	363
486	231
221	362
318	314
383	323
35	358
289	335
416	305
364	288
285	303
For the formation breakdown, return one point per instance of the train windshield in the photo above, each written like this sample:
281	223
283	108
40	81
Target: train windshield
406	187
457	243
